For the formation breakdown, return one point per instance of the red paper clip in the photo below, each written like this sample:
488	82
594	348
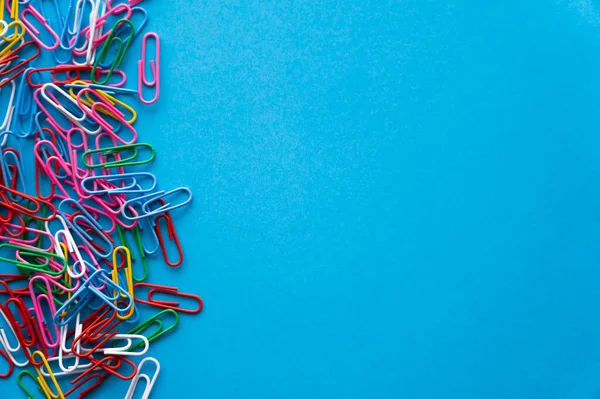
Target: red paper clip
172	237
23	64
16	207
55	70
167	304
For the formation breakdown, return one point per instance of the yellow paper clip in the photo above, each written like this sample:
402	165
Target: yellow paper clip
110	98
128	278
12	39
42	380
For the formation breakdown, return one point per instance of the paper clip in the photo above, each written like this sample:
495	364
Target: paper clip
145	225
37	306
109	184
54	71
90	54
12	172
108	44
42	380
154	68
128	278
117	150
47	266
103	90
151	199
106	93
118	292
131	3
75	32
78	120
34	32
99	333
84	218
10	108
149	381
154	288
172	237
27	211
24	107
103	105
128	348
137	237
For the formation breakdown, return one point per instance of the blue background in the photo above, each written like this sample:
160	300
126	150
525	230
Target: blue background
392	199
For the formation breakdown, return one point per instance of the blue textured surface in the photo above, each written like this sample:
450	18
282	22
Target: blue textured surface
393	199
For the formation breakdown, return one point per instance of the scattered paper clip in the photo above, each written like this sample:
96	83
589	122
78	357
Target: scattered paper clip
78	245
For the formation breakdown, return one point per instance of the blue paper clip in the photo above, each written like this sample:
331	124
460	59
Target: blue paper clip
129	179
10	108
24	107
90	222
147	224
95	226
72	35
153	198
8	175
118	293
141	10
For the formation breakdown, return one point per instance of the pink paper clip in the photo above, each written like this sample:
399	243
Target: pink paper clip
49	117
37	306
34	32
77	173
154	68
32	241
103	104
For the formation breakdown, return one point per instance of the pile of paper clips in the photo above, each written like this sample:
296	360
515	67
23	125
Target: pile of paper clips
77	242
